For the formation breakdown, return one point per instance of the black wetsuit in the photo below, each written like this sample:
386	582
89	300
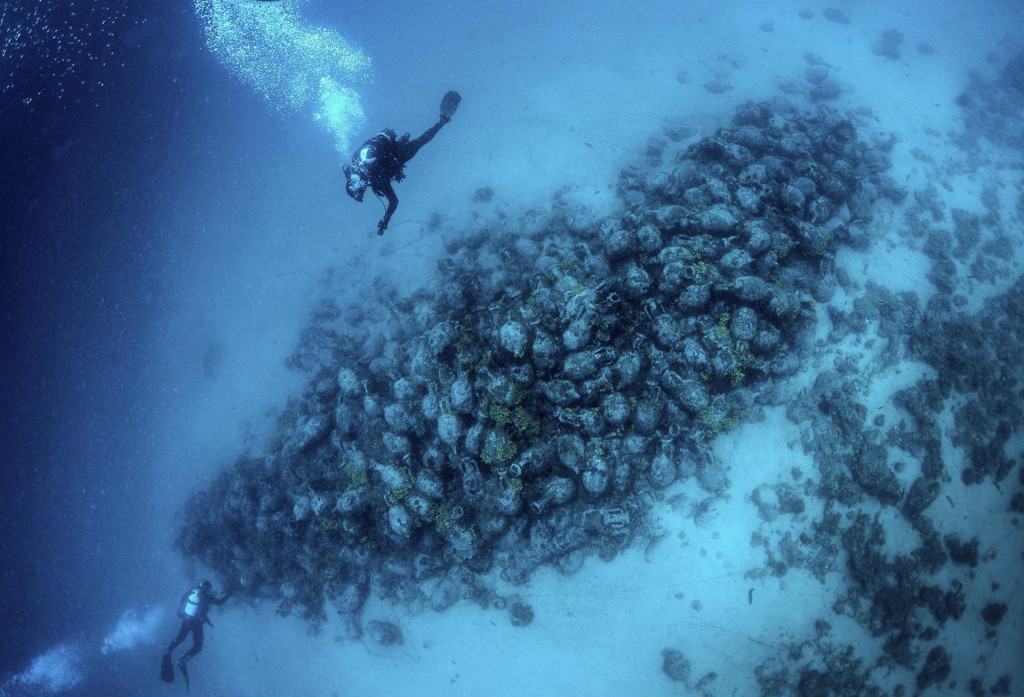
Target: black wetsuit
391	155
195	623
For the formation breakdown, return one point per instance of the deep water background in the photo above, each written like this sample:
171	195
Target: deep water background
164	232
162	229
83	184
122	204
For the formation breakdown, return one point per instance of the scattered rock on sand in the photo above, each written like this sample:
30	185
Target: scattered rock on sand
888	46
675	665
837	15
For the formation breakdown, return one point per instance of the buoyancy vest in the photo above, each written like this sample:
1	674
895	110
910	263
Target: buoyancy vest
377	159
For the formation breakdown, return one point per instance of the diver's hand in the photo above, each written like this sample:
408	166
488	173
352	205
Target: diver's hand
381	227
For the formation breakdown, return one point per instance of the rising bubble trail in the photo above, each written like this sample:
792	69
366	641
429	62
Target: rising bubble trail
294	64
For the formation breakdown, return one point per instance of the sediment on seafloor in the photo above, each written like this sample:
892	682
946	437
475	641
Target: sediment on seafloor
526	409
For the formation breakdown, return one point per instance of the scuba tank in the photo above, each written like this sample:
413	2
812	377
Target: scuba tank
190	604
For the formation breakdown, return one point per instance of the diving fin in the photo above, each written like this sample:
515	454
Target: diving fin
450	103
184	672
166	668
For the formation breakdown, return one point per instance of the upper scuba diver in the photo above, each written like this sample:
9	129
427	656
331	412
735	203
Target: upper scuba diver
195	605
381	160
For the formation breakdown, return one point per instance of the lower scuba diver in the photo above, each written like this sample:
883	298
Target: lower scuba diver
193	611
381	160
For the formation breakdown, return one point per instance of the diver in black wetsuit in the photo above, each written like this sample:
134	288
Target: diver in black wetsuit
381	160
195	605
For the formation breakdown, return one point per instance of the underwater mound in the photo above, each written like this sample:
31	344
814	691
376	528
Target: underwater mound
529	407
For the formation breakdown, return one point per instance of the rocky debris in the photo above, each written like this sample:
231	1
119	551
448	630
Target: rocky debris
675	665
893	587
976	249
999	687
890	590
897	315
937	667
837	15
992	106
993	613
384	633
830	670
975	361
889	45
862	462
919	434
849	454
978	357
520	613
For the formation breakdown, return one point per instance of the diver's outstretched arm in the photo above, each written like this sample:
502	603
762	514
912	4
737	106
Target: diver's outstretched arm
388	192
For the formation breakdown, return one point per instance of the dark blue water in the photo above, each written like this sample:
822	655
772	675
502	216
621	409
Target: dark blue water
83	178
133	162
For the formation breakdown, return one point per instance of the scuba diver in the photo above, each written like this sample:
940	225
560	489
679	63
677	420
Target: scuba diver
380	160
195	605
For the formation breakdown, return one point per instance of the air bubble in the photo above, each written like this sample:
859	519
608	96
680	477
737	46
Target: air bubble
44	47
293	64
